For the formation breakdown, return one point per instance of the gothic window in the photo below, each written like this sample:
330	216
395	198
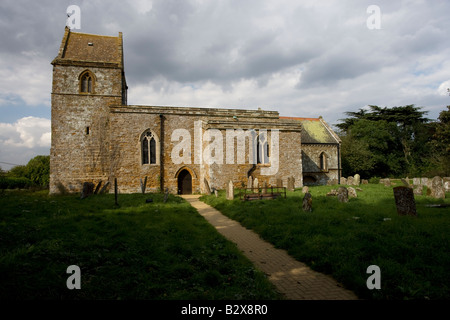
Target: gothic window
86	82
149	148
262	149
323	162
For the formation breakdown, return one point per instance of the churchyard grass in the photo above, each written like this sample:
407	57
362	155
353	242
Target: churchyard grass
137	250
344	239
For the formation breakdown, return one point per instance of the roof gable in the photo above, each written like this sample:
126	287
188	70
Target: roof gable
315	130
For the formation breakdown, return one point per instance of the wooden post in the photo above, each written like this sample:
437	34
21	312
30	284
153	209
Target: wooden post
115	191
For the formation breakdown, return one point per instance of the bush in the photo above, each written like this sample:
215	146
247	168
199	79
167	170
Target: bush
374	180
14	183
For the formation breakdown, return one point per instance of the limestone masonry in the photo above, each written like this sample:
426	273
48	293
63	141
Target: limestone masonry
97	137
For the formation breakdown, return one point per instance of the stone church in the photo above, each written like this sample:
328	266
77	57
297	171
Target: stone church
97	137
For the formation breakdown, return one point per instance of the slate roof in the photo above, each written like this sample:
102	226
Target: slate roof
315	130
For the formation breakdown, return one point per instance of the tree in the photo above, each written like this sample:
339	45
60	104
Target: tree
38	170
441	143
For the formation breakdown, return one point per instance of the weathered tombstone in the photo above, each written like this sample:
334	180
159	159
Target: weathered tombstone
350	181
230	191
166	195
356	180
446	184
307	202
437	188
291	183
333	192
364	181
416	181
216	193
351	192
343	181
279	183
332	182
404	201
207	189
387	182
305	189
250	182
88	189
256	185
264	187
418	190
423	181
342	194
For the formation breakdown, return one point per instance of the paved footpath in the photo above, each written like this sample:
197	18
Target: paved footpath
291	277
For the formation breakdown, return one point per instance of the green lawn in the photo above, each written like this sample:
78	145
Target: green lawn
344	239
138	250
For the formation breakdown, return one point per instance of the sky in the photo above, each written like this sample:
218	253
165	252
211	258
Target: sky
302	58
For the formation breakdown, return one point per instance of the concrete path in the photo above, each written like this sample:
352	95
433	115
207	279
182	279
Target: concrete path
292	278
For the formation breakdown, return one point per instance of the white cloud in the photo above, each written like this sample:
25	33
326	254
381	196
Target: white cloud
28	132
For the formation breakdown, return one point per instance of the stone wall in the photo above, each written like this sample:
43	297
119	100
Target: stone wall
312	174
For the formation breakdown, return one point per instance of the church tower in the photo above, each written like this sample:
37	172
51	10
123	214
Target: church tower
88	78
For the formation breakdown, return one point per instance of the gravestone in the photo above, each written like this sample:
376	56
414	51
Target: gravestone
342	194
305	189
88	189
364	181
423	181
216	193
332	182
404	201
386	182
166	195
333	192
307	202
230	191
250	182
357	180
279	183
207	189
103	190
350	181
256	185
437	188
264	187
416	181
343	181
446	184
405	182
97	188
351	192
418	190
291	183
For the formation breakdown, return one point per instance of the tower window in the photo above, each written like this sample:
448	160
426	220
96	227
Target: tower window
86	82
87	130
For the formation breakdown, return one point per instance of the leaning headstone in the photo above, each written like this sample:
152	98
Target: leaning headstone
230	191
404	201
88	189
350	181
416	181
342	194
343	181
307	202
291	183
351	192
437	188
207	189
166	195
305	189
103	190
97	188
357	180
405	182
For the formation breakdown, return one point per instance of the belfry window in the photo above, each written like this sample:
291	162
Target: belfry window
87	83
149	148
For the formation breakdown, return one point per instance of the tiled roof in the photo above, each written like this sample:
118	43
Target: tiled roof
315	130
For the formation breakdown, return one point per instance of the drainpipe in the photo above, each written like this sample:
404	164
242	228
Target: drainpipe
161	153
339	162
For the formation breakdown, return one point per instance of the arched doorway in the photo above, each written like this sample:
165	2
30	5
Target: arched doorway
184	182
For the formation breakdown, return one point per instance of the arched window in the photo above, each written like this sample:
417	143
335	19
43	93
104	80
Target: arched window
262	148
323	161
149	147
86	82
